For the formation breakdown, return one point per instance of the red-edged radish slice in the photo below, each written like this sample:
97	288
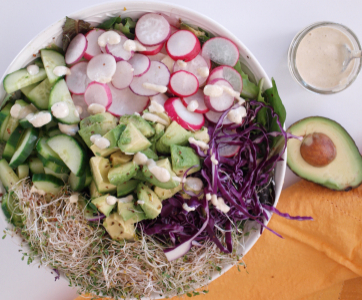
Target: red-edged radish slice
140	63
199	97
101	68
93	48
208	61
152	29
160	99
229	150
123	76
183	84
81	106
221	51
98	93
103	49
173	28
179	113
157	57
222	102
158	75
78	80
125	102
76	49
118	50
151	50
229	74
184	45
195	67
214	117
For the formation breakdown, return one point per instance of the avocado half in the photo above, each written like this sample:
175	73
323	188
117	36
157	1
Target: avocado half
343	172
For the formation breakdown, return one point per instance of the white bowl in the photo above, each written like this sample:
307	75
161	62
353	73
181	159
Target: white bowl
134	9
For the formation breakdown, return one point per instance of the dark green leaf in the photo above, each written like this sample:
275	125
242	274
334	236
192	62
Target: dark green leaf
250	90
71	28
262	116
126	27
189	295
108	24
201	34
39	62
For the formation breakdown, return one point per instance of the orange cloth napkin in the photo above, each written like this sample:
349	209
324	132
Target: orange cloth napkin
316	260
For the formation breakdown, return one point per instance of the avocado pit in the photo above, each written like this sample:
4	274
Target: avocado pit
318	150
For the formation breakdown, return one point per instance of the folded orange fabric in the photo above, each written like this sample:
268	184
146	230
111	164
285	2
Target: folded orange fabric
316	260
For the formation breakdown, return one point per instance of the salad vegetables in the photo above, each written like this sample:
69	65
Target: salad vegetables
138	146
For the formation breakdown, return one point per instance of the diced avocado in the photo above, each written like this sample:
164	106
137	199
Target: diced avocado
98	118
118	228
184	158
159	132
164	194
174	135
163	163
119	157
100	167
202	135
97	128
140	176
132	140
127	187
152	206
112	136
327	155
103	152
141	124
93	190
122	173
150	154
102	205
129	212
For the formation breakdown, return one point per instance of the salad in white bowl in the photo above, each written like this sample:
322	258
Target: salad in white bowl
136	155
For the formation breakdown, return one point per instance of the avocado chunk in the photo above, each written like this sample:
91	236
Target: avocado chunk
150	154
148	176
112	136
100	167
119	157
174	135
140	123
152	206
127	187
102	205
159	132
93	190
118	228
132	140
98	118
164	194
129	212
184	158
122	173
327	155
202	135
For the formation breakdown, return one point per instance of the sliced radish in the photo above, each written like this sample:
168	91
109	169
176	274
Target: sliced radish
194	66
151	50
98	93
81	106
208	61
160	99
229	74
125	102
93	48
228	150
123	76
214	117
118	51
173	28
76	49
158	74
152	29
103	49
78	80
184	45
199	97
101	68
157	57
183	84
220	103
179	113
140	63
221	51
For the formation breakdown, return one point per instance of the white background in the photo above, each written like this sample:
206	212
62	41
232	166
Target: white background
266	27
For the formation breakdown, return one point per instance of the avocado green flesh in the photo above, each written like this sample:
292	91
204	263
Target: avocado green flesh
344	172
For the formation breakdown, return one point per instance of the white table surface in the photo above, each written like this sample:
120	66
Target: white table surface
266	27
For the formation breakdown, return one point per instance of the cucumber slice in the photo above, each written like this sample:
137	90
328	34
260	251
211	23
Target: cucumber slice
51	59
3	127
24	123
10	127
47	183
63	176
22	171
54	131
12	142
11	209
25	147
60	93
7	175
51	125
5	112
21	78
77	183
36	166
45	151
69	150
26	90
39	95
56	167
38	62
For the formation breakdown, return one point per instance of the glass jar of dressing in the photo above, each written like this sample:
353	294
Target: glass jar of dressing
316	57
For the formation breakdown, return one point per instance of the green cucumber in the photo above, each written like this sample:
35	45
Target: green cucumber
11	209
24	123
39	95
63	176
45	151
51	59
36	166
9	128
57	168
69	150
77	183
7	175
26	90
21	78
47	183
60	93
5	112
51	125
25	147
54	131
22	171
12	142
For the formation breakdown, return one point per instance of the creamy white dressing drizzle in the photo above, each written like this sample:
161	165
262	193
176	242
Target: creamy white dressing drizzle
61	71
203	72
32	69
79	109
201	144
155	87
140	202
219	203
40	119
156	107
169	62
178	179
137	114
74	198
214	160
194	183
111	200
101	142
213	90
208	196
181	64
131	45
154	118
70	130
193	105
109	37
96	108
161	174
19	112
140	159
236	115
60	110
233	93
187	208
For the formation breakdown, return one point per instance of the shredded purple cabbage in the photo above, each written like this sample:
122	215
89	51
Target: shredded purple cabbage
58	274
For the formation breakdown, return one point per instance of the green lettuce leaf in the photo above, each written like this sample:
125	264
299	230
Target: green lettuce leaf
262	116
71	28
108	24
250	89
201	34
127	27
